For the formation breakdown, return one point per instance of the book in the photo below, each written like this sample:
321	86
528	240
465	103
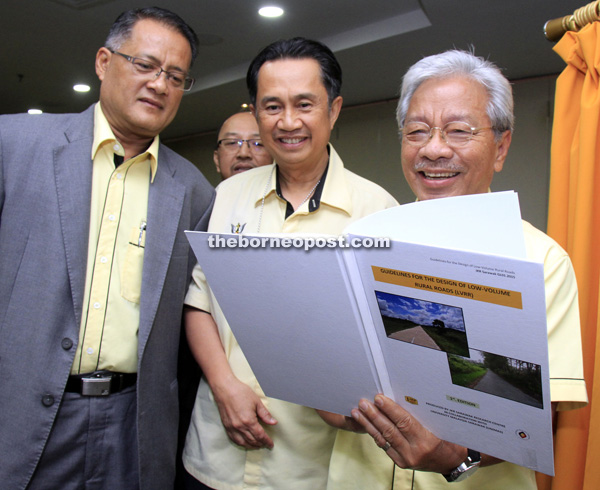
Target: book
447	318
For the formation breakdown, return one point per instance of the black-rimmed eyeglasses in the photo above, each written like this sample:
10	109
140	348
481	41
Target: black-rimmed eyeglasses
232	144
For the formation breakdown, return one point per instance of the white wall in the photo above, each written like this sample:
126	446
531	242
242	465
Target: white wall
366	139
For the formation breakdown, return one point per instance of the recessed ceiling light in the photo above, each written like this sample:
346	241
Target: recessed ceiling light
34	111
80	87
271	12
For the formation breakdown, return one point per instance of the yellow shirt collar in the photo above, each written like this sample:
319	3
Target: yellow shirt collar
334	194
103	135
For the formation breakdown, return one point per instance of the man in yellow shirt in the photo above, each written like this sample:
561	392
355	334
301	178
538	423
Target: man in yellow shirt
239	438
455	115
94	266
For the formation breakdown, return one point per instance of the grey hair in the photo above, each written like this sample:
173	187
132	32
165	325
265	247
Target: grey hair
121	29
455	63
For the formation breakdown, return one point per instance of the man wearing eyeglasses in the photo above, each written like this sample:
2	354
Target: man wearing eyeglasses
456	120
94	266
239	147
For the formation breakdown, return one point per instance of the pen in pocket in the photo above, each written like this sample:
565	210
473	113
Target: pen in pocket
142	229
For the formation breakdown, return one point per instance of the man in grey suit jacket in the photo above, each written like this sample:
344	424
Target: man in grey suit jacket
62	424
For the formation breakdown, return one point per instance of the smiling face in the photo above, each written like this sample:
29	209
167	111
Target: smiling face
139	107
437	169
230	161
293	112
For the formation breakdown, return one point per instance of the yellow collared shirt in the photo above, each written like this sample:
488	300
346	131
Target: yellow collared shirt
108	337
303	442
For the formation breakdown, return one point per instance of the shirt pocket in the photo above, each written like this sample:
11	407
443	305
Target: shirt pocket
131	273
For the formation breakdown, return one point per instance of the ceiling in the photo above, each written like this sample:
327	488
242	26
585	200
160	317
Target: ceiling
50	45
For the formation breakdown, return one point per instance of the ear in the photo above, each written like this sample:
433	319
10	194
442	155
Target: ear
502	150
334	112
216	160
103	57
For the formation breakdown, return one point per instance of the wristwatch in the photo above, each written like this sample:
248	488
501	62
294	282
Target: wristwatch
466	468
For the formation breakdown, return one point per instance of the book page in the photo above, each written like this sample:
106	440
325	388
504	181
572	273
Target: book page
485	223
294	315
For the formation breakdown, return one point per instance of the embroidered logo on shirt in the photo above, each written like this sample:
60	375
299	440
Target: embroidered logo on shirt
238	228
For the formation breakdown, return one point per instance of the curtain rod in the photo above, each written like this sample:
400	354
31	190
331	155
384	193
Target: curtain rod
555	29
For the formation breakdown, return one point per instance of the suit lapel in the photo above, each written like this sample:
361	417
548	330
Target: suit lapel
165	202
73	180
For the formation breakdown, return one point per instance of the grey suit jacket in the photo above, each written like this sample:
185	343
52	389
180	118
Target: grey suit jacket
45	189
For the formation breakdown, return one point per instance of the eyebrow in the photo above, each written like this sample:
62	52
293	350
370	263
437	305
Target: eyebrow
268	99
233	134
297	97
307	95
463	117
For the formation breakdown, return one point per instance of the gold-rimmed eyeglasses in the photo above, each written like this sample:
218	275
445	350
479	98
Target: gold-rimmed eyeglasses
232	144
454	133
177	79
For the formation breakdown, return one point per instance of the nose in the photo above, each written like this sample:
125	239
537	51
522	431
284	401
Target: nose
244	150
289	120
436	146
159	83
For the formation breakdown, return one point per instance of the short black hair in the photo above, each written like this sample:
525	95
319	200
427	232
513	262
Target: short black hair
122	26
298	48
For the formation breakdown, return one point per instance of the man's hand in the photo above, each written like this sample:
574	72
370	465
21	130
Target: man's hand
240	408
410	444
242	413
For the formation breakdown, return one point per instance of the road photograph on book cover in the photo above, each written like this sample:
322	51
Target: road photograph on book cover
441	327
426	323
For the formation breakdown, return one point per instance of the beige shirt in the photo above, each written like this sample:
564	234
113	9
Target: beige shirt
302	441
358	464
111	303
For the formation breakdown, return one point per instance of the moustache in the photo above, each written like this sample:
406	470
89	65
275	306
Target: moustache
438	165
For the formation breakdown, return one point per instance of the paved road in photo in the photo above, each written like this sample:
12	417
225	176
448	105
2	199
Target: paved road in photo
495	385
415	335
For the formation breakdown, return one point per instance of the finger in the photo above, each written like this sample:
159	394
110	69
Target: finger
391	409
386	446
263	439
241	440
256	436
378	419
403	423
353	426
254	440
361	419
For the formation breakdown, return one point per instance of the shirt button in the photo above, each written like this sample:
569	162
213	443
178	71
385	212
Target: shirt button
103	260
116	147
47	400
90	350
97	305
111	217
66	343
119	176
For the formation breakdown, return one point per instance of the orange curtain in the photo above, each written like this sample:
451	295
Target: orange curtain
574	221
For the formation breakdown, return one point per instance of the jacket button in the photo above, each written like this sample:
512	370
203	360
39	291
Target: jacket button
47	400
66	343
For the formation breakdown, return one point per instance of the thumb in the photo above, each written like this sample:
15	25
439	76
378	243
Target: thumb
264	415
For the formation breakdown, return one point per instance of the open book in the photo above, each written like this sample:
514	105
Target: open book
448	320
